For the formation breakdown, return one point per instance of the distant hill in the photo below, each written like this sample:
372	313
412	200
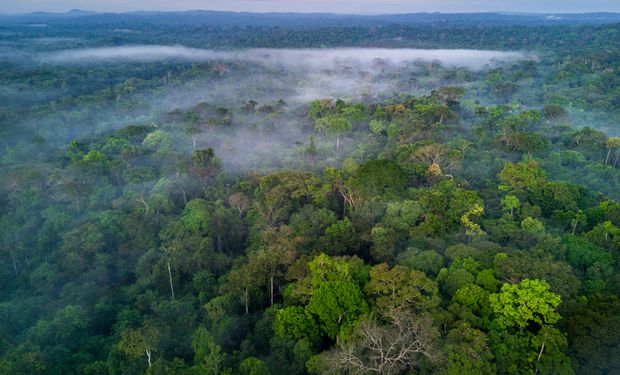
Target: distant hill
216	18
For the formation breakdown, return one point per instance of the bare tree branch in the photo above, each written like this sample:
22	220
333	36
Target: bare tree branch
387	349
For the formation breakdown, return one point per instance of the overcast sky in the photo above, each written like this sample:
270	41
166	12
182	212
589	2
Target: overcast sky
337	6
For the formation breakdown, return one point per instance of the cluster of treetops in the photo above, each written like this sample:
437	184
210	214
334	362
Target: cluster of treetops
578	69
415	235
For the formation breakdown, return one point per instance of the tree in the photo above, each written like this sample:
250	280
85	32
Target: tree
208	355
239	201
611	143
66	329
273	260
387	349
375	177
335	126
454	278
249	105
324	268
533	227
193	132
553	112
522	335
525	265
524	352
297	323
580	217
278	193
593	328
431	154
434	113
468	352
309	225
522	177
592	263
337	306
511	203
449	94
204	164
242	282
253	366
378	127
318	108
344	187
340	238
169	253
429	261
196	216
472	229
401	288
474	298
528	302
383	243
590	142
461	144
137	342
606	235
311	149
159	141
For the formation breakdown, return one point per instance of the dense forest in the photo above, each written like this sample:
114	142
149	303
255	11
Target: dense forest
320	195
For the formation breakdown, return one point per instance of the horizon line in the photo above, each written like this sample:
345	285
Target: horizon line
500	12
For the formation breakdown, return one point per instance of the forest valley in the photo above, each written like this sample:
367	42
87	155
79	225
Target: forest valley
162	212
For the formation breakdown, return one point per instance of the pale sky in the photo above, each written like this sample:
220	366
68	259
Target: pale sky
335	6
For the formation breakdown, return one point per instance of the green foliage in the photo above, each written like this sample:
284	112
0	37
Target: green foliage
208	355
594	321
401	288
296	322
468	352
253	366
522	177
231	236
140	341
472	229
324	268
334	126
340	238
473	297
524	303
533	227
593	263
453	279
430	262
337	305
378	176
511	204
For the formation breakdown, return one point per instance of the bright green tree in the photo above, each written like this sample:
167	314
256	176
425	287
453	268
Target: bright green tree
338	306
530	301
511	204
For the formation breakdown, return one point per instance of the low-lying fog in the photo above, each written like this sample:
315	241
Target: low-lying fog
261	75
297	75
293	58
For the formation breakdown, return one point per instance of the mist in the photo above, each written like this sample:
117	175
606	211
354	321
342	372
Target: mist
301	59
296	76
293	76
